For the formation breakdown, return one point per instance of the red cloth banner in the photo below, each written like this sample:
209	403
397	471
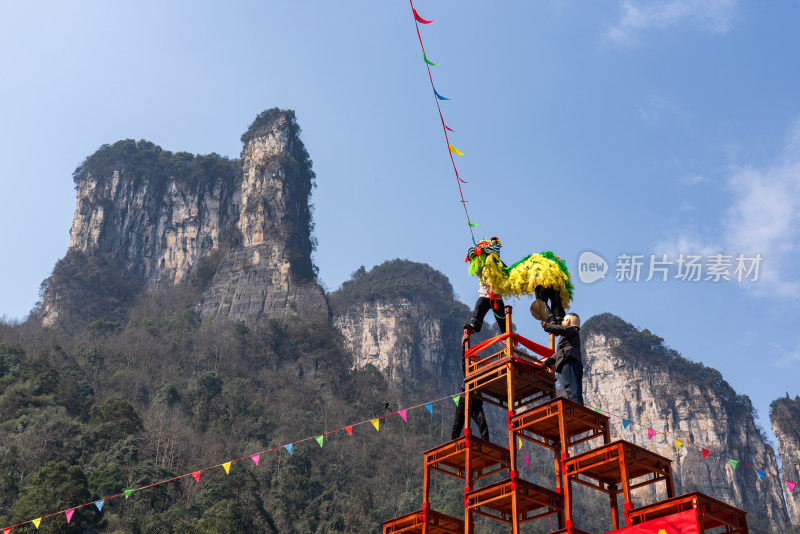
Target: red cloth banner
680	523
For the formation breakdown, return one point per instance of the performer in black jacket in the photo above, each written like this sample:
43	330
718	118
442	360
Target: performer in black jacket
567	359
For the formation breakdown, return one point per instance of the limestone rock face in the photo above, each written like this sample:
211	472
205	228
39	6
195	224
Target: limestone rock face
402	318
785	418
157	215
630	374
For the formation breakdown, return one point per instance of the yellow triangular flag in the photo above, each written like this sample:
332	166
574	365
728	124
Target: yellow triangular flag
377	424
36	522
454	150
678	444
227	467
520	442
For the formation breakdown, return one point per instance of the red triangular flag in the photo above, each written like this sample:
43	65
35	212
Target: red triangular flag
650	433
789	485
705	454
196	476
7	530
420	19
446	126
69	513
349	429
255	458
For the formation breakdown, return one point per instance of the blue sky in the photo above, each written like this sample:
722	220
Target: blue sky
619	127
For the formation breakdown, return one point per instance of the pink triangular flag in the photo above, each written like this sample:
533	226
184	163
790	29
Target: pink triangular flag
526	457
196	476
69	513
404	415
255	458
790	485
349	429
705	453
650	433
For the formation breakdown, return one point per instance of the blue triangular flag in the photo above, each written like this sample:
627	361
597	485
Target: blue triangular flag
440	97
429	406
760	474
625	423
288	447
99	505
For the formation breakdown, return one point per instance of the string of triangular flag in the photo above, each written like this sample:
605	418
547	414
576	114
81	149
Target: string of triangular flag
705	452
450	148
319	439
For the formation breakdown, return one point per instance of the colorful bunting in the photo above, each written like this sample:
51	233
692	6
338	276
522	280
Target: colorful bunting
790	485
404	415
255	458
428	61
377	424
760	474
227	467
734	463
349	430
99	505
625	423
320	439
678	444
454	150
440	97
705	453
36	522
128	493
196	476
289	447
650	433
429	407
456	399
420	19
69	513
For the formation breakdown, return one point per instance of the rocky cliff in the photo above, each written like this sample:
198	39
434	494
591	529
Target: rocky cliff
630	373
156	217
785	417
402	318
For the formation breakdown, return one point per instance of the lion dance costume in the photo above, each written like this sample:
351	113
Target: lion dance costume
542	275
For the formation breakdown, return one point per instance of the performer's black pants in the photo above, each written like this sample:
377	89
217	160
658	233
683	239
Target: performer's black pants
553	299
482	307
572	381
476	409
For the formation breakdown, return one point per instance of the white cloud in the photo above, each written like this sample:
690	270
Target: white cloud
658	108
763	218
715	16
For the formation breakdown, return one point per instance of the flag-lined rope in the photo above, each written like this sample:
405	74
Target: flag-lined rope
450	148
319	439
790	485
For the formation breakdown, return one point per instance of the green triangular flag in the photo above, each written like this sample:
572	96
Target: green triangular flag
598	410
427	61
320	439
128	493
472	225
456	398
734	463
